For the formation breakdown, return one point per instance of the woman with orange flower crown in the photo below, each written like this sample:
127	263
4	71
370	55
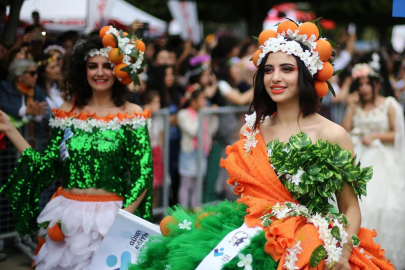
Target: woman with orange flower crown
96	140
287	166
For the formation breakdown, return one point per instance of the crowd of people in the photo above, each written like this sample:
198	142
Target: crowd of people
43	78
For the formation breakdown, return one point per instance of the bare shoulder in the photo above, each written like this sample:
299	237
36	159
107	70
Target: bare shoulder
335	133
131	107
66	106
243	129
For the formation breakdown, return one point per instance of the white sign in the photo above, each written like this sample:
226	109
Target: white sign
398	38
122	243
228	248
185	12
98	13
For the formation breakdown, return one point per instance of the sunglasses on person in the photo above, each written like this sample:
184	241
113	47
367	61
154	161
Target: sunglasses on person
32	73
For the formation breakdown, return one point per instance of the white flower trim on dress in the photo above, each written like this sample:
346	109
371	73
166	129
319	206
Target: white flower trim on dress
291	259
186	225
310	57
290	209
250	141
103	51
89	124
245	261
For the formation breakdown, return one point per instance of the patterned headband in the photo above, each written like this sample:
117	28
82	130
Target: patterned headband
55	48
46	61
288	38
363	70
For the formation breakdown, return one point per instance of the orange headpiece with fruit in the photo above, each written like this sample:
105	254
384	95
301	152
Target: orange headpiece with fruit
315	58
124	51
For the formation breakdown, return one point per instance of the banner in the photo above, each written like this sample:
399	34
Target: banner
398	8
185	13
98	13
122	243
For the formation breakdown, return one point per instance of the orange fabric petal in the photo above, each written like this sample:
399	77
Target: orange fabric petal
86	115
262	190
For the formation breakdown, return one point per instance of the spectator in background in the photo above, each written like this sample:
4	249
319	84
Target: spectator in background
162	79
151	101
194	100
24	101
376	126
49	74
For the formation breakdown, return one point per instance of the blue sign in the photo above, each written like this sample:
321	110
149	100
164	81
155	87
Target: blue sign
398	8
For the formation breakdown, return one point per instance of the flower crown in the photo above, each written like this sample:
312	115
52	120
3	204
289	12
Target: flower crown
55	48
288	38
363	70
124	51
46	61
189	93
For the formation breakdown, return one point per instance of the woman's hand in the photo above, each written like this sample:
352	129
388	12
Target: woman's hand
353	99
342	264
368	139
5	123
37	108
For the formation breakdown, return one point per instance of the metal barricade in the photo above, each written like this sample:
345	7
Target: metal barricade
200	173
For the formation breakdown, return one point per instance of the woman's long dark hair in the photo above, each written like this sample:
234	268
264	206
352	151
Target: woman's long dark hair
41	81
156	81
264	106
76	86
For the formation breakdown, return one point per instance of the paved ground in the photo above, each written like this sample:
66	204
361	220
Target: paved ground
16	260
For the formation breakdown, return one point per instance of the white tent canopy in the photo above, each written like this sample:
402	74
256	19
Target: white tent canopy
63	15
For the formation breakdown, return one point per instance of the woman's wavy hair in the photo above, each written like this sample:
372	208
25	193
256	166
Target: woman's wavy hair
76	86
264	106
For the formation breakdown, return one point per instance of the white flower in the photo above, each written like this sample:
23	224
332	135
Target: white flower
122	42
168	266
185	225
269	152
250	119
245	261
296	178
113	31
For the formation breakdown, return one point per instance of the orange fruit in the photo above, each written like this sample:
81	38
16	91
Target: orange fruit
125	34
163	225
321	88
109	41
326	72
199	218
55	233
309	29
324	49
265	35
115	57
126	80
139	45
103	30
256	57
284	26
120	73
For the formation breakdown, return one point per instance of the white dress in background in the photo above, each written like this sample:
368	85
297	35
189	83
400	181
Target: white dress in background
384	207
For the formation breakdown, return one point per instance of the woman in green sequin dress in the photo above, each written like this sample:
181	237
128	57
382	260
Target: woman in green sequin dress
96	140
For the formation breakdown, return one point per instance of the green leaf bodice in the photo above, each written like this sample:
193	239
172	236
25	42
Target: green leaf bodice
312	173
112	155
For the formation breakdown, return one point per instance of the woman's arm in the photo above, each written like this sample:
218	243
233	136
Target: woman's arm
12	133
347	122
347	199
239	98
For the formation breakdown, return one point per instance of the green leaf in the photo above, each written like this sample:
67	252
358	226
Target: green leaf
330	87
255	38
135	78
121	34
45	224
350	172
317	256
126	69
336	72
314	169
334	44
336	233
319	27
115	38
299	141
355	240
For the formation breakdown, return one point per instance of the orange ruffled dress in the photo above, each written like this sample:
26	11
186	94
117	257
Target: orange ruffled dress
260	188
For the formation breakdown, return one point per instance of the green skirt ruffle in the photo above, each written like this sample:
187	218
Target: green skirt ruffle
184	249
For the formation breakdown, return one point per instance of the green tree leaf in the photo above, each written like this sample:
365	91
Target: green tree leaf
300	140
336	233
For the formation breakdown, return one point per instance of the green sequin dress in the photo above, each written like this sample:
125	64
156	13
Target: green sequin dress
111	153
